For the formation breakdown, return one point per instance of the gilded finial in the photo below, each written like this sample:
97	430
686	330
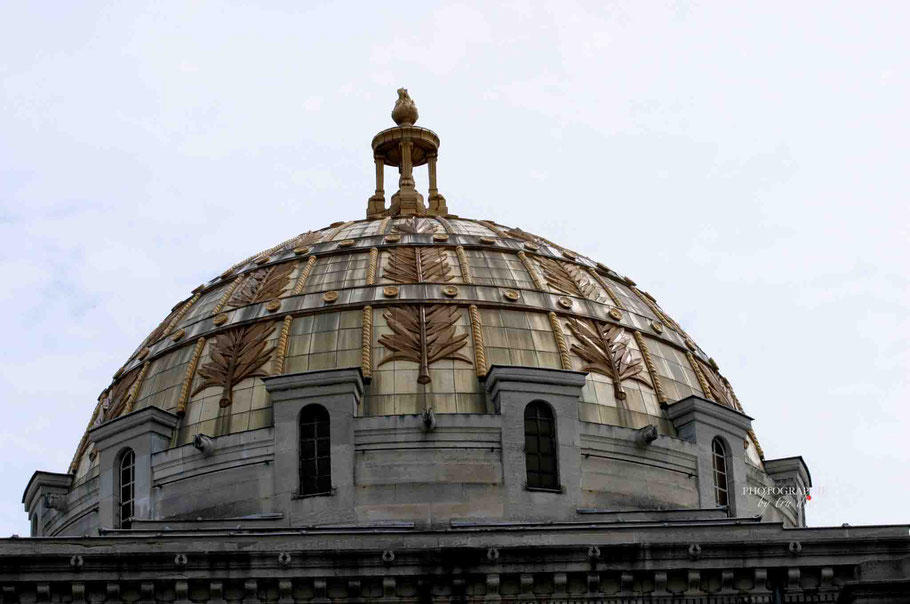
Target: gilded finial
405	111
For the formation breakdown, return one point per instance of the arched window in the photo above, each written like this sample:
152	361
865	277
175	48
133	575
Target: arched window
540	446
721	480
315	455
126	483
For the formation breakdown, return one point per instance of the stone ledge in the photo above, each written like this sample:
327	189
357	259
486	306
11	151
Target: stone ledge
697	409
150	419
786	467
310	384
512	378
45	481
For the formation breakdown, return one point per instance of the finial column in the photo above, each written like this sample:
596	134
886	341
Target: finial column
407	201
376	203
436	201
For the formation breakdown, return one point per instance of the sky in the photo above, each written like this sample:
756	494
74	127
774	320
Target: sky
745	163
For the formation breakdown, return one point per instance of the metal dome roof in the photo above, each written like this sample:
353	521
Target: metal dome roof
424	303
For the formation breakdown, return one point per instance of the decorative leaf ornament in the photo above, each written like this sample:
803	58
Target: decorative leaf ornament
605	350
415	226
304	239
720	391
410	264
237	354
114	401
569	279
262	285
423	334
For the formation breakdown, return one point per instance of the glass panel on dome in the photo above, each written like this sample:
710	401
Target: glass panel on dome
161	386
676	375
324	341
515	337
86	463
394	389
337	272
498	268
204	305
631	300
364	228
467	227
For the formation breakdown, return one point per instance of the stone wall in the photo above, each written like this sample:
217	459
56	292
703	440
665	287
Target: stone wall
462	468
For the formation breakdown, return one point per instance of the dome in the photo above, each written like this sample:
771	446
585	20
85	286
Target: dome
424	303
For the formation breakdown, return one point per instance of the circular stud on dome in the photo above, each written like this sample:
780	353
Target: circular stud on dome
713	364
533	247
178	335
440	237
488	240
390	291
346	243
450	290
301	251
220	319
143	353
273	305
603	268
690	344
393	238
510	294
657	327
329	297
565	302
615	314
569	255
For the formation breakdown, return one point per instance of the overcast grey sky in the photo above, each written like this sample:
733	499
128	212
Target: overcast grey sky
746	163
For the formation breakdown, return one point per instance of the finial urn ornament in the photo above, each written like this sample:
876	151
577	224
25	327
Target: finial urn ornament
405	111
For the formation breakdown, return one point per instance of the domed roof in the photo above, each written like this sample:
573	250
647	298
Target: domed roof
424	302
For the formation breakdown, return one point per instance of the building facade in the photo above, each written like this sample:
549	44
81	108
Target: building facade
423	407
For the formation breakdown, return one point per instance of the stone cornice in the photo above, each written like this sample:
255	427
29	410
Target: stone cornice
777	468
149	419
695	408
309	384
51	480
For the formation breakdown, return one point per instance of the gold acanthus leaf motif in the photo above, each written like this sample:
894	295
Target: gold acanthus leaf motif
569	279
606	349
423	334
264	284
719	390
304	239
409	264
415	226
114	401
237	354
